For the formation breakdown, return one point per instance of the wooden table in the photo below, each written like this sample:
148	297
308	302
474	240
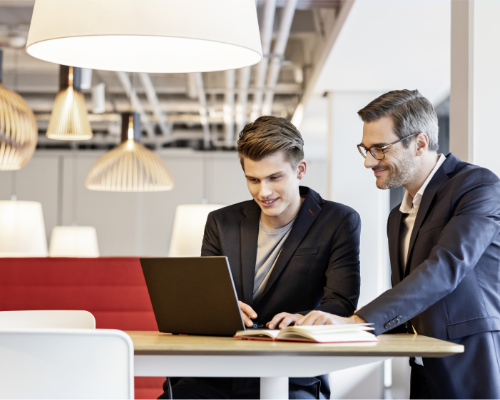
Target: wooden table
162	354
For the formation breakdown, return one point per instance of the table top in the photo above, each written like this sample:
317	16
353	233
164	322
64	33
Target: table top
399	345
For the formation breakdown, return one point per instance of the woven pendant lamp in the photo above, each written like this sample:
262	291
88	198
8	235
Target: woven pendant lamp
130	167
18	130
69	118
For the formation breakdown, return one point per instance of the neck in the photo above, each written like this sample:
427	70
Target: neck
427	164
283	219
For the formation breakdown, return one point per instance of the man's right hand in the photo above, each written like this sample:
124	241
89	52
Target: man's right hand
247	313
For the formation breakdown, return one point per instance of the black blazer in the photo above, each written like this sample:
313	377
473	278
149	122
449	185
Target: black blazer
318	268
451	286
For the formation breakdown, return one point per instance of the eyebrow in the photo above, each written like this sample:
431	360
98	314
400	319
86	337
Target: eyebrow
375	145
274	173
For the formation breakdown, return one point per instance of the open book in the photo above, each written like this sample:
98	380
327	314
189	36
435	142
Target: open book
314	334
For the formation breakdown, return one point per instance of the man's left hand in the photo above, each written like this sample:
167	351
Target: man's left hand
323	318
282	320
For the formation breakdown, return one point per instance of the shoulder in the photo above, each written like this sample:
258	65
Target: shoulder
340	211
469	176
233	211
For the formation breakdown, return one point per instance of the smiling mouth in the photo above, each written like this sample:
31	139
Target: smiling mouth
268	203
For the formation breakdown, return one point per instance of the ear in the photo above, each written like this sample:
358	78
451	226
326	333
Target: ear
422	143
301	169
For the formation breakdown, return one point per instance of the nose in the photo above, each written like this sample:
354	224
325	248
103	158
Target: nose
265	190
370	161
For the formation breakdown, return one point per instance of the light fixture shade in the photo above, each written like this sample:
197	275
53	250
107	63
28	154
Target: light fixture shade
18	129
69	119
73	241
130	167
22	230
189	226
146	35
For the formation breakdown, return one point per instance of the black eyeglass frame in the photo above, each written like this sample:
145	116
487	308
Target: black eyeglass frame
383	149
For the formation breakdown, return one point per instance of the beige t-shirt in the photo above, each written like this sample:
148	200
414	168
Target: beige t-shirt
269	247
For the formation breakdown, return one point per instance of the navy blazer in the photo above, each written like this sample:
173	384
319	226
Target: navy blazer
317	269
450	288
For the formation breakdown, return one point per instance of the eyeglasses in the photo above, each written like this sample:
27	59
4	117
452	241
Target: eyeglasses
378	153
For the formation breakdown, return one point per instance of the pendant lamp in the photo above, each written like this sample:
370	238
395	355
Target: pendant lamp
69	119
18	130
146	35
130	167
22	230
189	226
73	241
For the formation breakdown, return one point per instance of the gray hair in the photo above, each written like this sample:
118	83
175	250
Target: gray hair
410	111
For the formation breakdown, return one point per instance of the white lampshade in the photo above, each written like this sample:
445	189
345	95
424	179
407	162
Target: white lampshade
189	226
146	35
73	241
22	230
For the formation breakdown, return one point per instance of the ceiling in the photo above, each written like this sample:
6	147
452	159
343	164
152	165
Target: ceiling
227	99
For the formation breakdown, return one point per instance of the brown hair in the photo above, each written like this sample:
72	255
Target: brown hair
410	112
269	135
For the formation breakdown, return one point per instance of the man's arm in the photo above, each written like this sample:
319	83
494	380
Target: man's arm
211	244
211	247
342	276
475	224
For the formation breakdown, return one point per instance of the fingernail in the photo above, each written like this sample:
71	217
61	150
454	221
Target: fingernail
271	326
254	316
281	326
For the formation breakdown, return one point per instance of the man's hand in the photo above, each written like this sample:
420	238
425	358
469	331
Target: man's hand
323	318
247	313
282	320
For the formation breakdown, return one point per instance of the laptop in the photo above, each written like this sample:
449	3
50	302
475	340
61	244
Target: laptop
193	295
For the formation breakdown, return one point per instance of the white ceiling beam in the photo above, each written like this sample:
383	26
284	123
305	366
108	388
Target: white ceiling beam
278	54
136	103
155	104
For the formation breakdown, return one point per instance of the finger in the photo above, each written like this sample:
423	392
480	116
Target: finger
247	310
276	320
248	322
321	320
302	321
289	319
311	318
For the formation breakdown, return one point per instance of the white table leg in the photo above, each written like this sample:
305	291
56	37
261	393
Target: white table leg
274	388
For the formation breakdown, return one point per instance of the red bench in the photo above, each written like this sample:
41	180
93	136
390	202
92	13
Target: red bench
111	288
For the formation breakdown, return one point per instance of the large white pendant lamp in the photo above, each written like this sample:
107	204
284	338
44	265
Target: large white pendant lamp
69	119
22	230
146	35
18	130
189	226
73	241
130	167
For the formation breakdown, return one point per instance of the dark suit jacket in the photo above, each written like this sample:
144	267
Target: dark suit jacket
318	268
451	286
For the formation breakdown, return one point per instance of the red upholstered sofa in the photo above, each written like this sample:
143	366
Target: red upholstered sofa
111	288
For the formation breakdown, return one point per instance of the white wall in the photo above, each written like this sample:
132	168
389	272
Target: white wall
135	224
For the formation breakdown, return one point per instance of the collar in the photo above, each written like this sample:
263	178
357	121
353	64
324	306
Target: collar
410	203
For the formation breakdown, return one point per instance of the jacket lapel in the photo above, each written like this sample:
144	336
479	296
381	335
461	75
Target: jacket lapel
305	219
249	238
394	244
436	182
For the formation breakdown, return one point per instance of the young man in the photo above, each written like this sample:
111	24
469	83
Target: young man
444	247
289	250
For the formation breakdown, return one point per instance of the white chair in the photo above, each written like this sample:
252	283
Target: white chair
47	319
66	363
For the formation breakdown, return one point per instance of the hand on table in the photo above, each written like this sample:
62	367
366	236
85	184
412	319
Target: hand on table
282	320
247	313
323	318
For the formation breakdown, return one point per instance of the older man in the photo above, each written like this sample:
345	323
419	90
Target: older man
444	247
